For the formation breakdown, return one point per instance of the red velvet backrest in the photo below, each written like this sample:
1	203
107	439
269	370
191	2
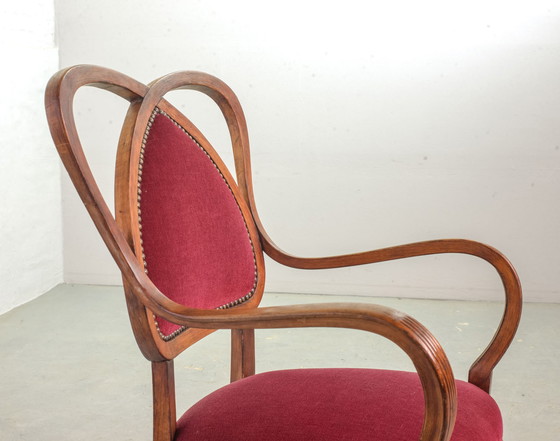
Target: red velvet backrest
195	242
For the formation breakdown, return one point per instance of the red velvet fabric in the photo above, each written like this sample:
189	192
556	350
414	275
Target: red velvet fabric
331	405
196	245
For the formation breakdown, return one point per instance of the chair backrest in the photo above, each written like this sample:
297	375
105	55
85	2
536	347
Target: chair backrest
181	218
188	226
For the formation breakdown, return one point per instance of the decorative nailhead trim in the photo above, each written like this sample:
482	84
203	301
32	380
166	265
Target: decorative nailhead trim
139	197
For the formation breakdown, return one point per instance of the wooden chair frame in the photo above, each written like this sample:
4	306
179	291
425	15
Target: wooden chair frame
142	295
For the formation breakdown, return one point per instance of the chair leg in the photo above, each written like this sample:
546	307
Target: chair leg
163	383
242	353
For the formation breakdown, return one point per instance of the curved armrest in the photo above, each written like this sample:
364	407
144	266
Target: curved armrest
412	337
480	372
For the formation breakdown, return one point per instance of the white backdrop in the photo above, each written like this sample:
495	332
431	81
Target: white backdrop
30	207
371	123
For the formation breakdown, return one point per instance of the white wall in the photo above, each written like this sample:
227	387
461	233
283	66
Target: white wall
370	126
30	211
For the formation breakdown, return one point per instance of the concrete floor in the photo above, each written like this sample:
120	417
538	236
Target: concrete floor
70	368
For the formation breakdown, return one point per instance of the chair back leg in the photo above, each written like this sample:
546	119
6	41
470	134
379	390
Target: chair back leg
242	353
163	383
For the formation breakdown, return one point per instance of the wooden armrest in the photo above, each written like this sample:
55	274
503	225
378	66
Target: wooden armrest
412	337
480	372
442	246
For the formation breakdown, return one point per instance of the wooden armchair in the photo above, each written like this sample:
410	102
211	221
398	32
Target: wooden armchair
189	243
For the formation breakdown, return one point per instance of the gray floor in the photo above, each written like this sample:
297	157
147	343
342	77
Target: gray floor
70	369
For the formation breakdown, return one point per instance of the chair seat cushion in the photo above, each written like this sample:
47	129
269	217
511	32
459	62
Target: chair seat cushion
331	404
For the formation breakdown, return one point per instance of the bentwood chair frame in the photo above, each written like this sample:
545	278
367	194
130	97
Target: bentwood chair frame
144	299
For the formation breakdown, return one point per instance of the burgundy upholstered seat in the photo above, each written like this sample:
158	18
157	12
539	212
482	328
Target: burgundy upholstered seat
331	404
